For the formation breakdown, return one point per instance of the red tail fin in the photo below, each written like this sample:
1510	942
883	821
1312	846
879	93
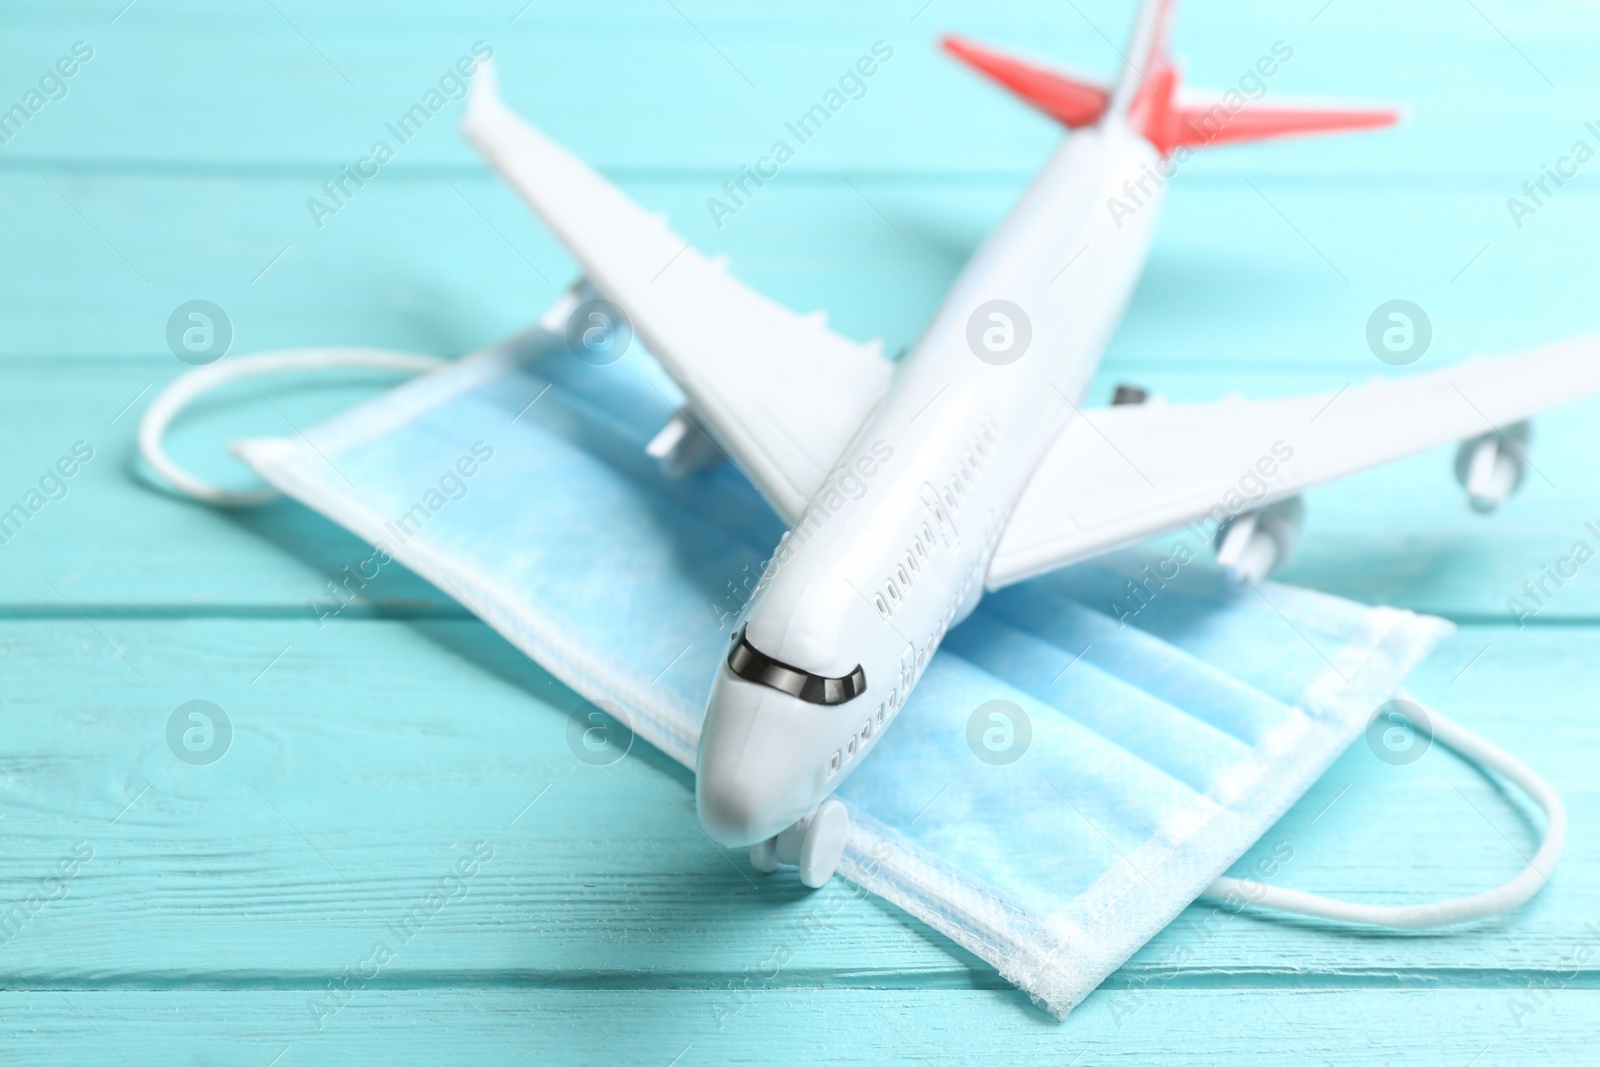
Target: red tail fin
1154	112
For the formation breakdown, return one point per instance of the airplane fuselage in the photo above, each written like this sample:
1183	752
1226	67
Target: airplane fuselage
894	548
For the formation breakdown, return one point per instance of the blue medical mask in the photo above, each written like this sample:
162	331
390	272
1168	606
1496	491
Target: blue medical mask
1086	755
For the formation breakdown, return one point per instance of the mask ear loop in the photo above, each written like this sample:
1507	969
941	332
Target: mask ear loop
183	390
1517	891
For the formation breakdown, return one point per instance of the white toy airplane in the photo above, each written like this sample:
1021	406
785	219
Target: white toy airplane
912	488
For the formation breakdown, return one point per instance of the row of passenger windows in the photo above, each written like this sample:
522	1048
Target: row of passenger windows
905	572
972	462
912	664
911	667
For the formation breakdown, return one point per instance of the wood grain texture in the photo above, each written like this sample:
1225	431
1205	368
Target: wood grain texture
375	752
1275	272
648	1027
640	84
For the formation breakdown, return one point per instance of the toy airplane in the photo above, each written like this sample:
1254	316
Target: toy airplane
912	488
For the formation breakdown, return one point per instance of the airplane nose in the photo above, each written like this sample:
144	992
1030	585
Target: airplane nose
746	788
732	815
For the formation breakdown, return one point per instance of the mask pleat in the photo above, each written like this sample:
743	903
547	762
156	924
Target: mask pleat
1137	720
600	412
1160	668
1080	801
1221	625
642	573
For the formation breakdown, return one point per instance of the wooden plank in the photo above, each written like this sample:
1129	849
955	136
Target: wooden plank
1260	274
1269	1025
369	758
712	83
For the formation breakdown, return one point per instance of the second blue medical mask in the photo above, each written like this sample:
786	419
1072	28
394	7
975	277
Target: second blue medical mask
1087	754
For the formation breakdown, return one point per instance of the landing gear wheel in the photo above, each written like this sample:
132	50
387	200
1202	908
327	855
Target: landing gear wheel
815	844
823	845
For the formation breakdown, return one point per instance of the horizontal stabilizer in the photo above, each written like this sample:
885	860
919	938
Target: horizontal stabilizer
1196	127
1167	122
1070	101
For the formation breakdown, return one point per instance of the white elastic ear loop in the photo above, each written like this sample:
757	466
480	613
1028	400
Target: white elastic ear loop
182	391
1445	912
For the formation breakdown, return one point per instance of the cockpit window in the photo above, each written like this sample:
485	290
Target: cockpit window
756	666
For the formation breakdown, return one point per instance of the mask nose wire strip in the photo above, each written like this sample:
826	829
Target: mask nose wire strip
183	390
1445	912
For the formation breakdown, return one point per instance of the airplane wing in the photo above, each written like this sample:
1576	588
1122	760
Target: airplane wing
1121	475
778	391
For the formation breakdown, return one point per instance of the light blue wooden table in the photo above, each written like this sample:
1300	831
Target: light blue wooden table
184	914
